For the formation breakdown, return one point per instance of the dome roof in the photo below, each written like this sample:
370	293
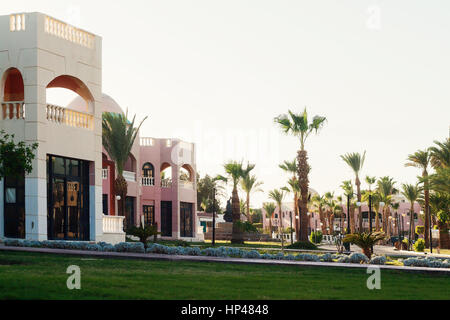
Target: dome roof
108	104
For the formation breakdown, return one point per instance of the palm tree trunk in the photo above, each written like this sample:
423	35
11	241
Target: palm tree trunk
296	221
236	235
427	212
358	191
248	207
411	225
351	216
377	220
280	228
303	170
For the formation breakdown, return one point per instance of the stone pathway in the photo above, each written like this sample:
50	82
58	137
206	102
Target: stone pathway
390	251
152	256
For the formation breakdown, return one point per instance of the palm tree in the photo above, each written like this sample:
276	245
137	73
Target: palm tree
370	181
249	184
299	126
290	167
440	154
294	187
236	172
118	135
320	203
277	196
386	189
330	210
421	159
356	162
376	198
269	207
365	241
412	194
347	187
440	206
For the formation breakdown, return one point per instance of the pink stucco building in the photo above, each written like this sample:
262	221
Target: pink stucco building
69	194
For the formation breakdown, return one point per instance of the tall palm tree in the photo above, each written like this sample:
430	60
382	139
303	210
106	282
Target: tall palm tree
370	181
320	203
440	154
290	167
412	193
347	187
376	198
249	183
118	135
395	206
356	162
330	210
421	159
269	207
235	172
277	196
385	187
294	187
299	126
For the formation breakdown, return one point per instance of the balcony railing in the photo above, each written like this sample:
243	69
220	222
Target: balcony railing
17	22
129	176
105	173
13	110
148	181
147	142
69	117
166	183
64	31
113	224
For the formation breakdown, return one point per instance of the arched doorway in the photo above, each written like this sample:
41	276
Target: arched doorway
13	95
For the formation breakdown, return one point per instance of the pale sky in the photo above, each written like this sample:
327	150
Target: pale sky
217	72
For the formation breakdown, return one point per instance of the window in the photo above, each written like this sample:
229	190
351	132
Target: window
149	214
148	170
186	219
105	204
10	195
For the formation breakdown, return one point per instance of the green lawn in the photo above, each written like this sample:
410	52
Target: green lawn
43	276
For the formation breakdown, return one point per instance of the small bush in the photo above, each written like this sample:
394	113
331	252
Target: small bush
316	237
308	257
358	258
420	230
305	245
327	257
419	245
381	260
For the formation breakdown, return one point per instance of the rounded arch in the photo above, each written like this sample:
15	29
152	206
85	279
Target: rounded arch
148	170
13	88
166	171
76	85
187	173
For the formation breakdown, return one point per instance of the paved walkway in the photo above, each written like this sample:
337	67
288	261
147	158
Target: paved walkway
152	256
390	251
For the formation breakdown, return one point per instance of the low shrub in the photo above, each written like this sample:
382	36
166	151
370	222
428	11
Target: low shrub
316	237
358	258
305	245
419	245
381	260
327	257
308	257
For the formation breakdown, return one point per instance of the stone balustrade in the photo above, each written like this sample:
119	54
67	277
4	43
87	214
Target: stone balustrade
13	110
69	117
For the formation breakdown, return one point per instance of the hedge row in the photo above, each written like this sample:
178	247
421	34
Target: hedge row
138	247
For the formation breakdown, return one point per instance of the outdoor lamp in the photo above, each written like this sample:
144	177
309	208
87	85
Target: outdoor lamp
118	198
382	204
358	204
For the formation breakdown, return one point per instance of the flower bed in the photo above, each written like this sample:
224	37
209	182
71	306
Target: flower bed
138	247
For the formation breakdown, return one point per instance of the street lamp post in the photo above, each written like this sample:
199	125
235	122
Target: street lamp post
431	233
